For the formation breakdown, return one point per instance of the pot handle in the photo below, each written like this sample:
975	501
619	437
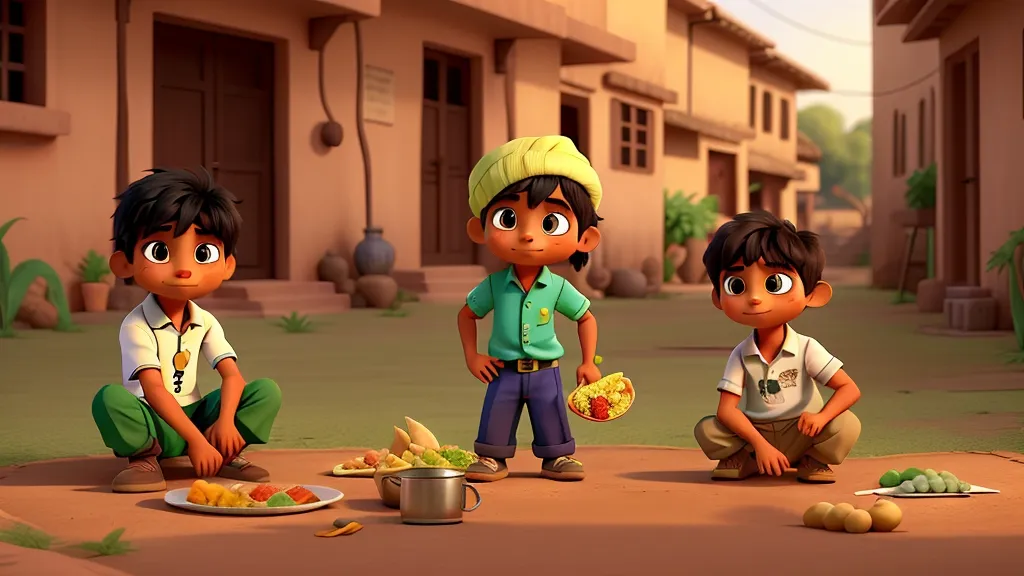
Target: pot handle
394	480
466	486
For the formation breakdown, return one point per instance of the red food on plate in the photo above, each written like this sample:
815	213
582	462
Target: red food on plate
302	495
263	492
599	406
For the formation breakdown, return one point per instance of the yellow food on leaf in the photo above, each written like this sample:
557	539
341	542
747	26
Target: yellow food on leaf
418	434
611	387
392	461
401	442
416	449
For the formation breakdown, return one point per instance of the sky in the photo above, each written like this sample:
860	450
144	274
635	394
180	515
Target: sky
845	65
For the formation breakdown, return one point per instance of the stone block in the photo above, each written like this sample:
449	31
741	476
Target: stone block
971	314
627	283
957	292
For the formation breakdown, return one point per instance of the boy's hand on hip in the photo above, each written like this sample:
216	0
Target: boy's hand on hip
811	424
484	367
224	436
206	460
770	461
587	373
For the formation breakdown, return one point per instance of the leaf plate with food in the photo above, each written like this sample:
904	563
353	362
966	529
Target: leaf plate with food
604	400
416	448
251	499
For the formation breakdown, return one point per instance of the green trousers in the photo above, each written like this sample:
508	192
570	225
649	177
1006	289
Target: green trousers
128	425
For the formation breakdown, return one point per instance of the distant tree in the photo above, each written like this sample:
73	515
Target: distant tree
845	154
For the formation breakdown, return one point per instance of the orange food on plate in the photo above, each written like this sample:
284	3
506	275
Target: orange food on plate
302	495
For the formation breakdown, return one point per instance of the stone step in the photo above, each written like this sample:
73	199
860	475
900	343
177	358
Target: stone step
441	279
956	292
971	314
276	306
260	289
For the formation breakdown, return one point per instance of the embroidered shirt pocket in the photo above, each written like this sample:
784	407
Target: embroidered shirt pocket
544	316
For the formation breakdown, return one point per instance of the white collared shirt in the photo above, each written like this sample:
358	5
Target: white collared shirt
150	340
785	387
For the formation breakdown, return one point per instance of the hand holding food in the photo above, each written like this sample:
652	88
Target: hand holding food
605	399
884	516
206	460
770	461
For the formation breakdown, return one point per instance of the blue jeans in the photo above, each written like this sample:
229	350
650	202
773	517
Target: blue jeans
541	393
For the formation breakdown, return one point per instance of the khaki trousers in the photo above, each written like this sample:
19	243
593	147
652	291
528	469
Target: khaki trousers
831	446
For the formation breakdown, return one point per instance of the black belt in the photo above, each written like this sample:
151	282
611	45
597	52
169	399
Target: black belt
528	365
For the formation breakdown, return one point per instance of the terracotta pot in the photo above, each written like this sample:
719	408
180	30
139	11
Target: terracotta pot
931	295
627	283
654	271
374	255
599	278
379	291
676	255
692	271
333	268
95	296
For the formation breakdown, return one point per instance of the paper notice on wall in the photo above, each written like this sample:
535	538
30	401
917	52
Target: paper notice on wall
378	95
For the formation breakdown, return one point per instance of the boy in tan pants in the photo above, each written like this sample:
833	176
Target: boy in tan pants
765	274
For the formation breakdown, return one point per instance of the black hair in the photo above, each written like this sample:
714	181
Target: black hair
753	236
178	197
538	189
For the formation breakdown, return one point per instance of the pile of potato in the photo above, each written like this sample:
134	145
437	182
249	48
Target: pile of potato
884	516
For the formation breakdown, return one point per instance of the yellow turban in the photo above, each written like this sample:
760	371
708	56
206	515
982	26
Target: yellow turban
526	157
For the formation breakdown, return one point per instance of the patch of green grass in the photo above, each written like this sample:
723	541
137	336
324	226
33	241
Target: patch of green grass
1016	357
904	298
407	296
111	545
25	536
295	324
883	351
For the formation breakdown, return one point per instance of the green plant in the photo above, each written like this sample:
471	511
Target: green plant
295	324
14	284
93	267
920	193
668	271
687	217
1002	259
111	545
25	536
904	298
407	296
395	310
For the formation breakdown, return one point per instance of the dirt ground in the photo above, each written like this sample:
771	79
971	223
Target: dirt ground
640	509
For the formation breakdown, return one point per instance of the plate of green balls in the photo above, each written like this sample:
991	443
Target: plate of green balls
917	483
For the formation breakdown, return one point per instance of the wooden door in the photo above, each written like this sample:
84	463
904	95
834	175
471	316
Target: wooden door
213	107
722	181
446	160
961	225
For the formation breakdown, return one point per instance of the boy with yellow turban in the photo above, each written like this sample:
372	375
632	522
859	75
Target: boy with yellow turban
534	202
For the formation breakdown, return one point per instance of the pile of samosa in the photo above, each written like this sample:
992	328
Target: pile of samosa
416	448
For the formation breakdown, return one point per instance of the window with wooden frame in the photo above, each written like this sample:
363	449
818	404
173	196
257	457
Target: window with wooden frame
766	112
753	106
920	132
784	118
22	47
632	137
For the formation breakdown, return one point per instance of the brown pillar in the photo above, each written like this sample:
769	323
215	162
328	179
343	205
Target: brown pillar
121	163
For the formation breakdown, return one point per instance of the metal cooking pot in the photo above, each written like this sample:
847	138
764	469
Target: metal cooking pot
433	495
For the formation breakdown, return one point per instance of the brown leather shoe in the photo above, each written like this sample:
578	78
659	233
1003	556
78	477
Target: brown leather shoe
563	468
143	473
739	466
242	470
814	472
486	470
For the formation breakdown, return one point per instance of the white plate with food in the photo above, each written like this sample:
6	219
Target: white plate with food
251	499
896	492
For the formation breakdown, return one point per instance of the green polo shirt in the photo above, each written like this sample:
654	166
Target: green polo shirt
524	324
